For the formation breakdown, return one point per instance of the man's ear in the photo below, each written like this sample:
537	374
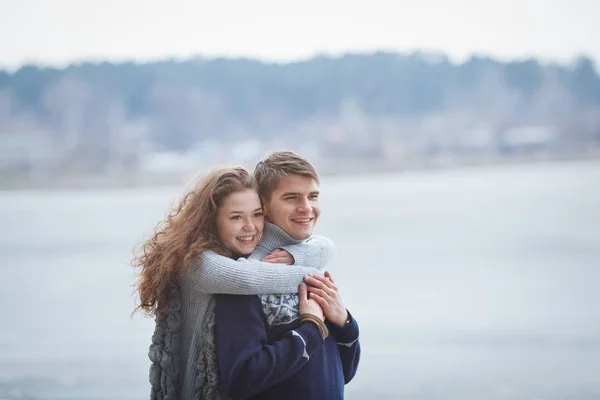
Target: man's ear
264	206
266	213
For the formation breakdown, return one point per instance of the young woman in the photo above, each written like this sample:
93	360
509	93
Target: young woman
189	258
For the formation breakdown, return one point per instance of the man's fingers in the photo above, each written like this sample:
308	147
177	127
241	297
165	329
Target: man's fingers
328	282
318	292
322	302
302	292
328	276
322	282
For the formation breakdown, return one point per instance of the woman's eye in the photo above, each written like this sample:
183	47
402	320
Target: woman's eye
258	215
236	217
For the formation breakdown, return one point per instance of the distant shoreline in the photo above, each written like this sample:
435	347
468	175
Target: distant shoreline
139	179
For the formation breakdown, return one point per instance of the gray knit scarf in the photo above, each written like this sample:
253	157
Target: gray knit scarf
206	385
165	356
163	353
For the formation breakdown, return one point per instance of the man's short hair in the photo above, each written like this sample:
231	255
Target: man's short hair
277	165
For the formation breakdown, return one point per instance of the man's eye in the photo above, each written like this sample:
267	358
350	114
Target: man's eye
314	196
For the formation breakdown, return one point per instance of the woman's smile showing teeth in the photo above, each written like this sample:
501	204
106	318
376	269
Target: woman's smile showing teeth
245	239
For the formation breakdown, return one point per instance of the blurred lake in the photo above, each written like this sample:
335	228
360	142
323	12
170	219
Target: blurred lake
471	283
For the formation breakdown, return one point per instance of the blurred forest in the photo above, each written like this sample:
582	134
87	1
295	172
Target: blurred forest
353	110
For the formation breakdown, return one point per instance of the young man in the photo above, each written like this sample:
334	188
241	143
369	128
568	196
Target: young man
266	349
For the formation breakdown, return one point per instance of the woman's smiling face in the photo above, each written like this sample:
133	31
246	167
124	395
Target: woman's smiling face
240	222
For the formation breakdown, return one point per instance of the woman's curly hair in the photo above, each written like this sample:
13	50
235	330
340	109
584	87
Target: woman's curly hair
189	229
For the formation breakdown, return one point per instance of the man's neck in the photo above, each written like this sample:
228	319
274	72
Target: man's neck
275	237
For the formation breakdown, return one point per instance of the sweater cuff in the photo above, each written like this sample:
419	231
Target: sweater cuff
311	335
347	334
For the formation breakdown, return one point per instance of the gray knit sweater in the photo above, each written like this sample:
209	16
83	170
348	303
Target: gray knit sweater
184	364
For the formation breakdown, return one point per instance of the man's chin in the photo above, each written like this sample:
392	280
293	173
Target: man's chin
301	235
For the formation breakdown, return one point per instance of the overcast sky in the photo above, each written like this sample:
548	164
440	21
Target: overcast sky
57	32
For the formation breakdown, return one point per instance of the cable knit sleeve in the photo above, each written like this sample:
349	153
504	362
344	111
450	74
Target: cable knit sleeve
216	274
315	252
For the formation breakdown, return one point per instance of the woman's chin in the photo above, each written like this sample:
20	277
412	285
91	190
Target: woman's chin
243	251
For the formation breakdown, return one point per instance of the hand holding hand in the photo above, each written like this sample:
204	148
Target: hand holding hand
309	306
325	292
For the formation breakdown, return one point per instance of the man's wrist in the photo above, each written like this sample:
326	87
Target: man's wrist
317	321
343	322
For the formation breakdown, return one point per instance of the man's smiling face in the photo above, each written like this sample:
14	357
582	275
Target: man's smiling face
294	205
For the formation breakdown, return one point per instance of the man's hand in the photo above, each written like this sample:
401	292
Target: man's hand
309	306
279	256
325	292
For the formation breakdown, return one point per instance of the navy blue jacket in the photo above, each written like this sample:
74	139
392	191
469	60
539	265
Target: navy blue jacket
288	361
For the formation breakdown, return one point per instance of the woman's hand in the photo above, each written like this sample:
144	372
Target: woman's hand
309	306
279	256
325	292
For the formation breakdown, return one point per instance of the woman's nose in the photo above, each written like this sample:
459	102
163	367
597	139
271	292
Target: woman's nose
249	226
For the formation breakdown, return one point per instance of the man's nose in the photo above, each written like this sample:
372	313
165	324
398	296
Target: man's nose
304	206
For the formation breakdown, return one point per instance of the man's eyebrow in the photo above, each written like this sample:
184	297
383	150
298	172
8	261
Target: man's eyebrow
297	193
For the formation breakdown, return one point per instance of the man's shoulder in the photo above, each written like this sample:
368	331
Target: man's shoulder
238	306
237	299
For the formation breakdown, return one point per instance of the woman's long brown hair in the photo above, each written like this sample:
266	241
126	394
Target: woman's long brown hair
188	230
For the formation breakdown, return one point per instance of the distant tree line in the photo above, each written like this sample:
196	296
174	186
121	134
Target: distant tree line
85	105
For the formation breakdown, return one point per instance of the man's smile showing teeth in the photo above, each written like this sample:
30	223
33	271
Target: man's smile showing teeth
245	238
302	220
